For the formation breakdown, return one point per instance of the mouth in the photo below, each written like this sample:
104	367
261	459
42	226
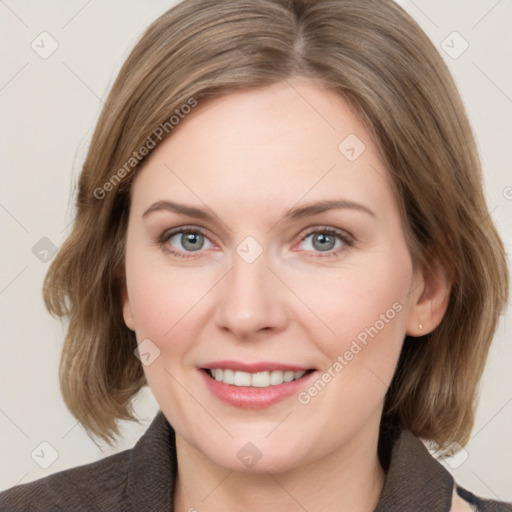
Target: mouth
263	379
254	386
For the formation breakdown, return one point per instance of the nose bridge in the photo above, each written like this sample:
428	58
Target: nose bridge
250	300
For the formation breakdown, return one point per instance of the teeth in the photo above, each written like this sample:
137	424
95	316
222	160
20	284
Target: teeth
288	376
228	376
242	379
257	380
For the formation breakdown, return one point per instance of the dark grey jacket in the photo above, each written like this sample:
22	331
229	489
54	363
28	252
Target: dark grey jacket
142	479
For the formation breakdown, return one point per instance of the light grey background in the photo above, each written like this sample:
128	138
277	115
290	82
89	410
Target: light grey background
49	107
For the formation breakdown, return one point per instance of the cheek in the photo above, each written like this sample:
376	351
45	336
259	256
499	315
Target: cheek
366	309
162	304
363	312
162	299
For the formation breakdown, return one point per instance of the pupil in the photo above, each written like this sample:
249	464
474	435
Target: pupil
191	238
324	240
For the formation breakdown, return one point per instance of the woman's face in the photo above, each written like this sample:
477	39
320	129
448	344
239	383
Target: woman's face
235	269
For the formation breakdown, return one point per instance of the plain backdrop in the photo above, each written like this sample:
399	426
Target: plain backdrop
49	105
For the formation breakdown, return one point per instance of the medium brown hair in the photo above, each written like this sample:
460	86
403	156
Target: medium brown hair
378	59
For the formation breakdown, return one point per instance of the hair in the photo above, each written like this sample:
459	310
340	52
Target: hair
376	57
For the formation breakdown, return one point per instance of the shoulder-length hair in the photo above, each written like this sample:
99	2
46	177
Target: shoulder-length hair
379	60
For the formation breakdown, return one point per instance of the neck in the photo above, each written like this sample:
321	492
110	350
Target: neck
349	478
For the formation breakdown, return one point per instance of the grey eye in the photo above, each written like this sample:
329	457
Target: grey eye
190	241
321	241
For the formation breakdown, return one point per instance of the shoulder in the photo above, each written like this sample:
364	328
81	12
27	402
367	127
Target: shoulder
141	478
416	480
95	486
464	500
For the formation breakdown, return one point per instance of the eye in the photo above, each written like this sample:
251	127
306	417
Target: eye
327	240
184	240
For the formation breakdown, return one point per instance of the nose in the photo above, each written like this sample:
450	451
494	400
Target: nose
252	300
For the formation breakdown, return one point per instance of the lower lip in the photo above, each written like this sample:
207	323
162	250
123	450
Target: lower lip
248	397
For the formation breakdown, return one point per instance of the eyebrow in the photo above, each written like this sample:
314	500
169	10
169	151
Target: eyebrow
295	213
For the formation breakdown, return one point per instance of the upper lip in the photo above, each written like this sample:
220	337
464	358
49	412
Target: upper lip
261	366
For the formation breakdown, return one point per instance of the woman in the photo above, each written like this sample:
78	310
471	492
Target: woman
266	237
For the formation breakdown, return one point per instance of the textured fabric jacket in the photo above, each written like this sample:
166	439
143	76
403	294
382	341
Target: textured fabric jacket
142	479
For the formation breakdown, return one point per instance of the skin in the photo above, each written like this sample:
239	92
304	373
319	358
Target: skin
248	157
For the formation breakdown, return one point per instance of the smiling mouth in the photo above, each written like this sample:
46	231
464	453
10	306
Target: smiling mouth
256	379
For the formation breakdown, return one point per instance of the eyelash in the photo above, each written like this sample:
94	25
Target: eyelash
348	240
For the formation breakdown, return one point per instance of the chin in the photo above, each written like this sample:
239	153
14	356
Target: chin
255	457
268	463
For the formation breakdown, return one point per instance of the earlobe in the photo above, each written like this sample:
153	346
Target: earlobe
430	301
127	310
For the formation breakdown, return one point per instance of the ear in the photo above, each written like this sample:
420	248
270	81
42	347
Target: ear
430	297
127	310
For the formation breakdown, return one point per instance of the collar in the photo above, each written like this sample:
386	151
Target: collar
153	468
414	479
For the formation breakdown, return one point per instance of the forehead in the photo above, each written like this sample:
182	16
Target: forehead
268	149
